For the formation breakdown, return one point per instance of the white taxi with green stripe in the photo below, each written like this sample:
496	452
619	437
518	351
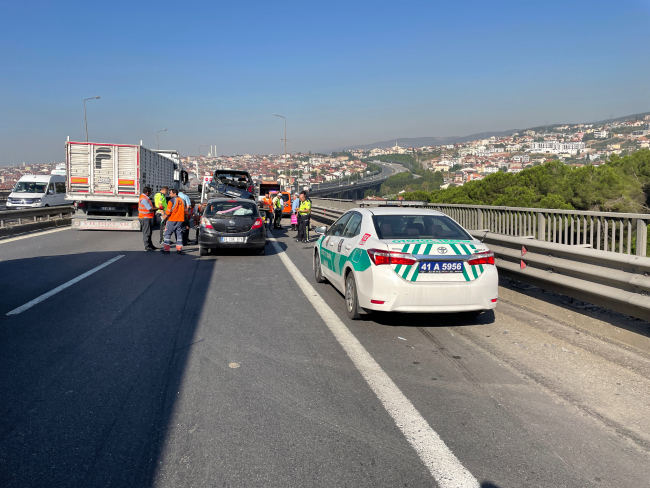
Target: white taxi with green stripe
405	259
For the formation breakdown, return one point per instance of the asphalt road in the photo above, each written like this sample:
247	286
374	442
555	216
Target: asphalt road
175	371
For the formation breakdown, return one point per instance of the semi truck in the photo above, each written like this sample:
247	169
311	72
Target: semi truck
104	182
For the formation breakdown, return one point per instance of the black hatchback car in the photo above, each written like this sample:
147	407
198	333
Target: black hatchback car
232	223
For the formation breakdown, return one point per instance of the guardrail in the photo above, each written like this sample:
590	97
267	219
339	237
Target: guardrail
623	233
4	194
611	280
20	217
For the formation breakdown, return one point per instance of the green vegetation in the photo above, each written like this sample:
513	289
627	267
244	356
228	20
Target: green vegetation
428	181
621	185
351	156
373	167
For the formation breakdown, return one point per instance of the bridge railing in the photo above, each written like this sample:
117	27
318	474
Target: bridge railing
623	233
31	215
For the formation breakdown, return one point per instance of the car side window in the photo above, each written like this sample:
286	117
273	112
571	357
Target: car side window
339	225
50	188
353	225
60	187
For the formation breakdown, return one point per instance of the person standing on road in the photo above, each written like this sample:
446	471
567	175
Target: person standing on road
160	202
294	209
278	203
268	204
146	214
304	213
186	224
175	222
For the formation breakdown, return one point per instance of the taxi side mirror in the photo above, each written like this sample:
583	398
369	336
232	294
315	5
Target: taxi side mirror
321	230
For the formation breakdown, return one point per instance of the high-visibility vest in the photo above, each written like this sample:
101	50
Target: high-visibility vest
268	202
305	207
176	210
161	201
278	203
144	212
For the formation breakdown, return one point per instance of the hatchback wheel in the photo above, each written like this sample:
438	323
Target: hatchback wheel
203	251
351	299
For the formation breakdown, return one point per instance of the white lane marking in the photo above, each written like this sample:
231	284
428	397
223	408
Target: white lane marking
62	287
445	468
36	234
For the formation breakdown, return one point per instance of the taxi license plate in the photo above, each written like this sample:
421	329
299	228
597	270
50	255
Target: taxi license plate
441	267
233	239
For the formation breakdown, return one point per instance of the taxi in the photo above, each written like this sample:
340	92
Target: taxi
405	260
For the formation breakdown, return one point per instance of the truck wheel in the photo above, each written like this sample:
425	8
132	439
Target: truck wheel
351	299
203	251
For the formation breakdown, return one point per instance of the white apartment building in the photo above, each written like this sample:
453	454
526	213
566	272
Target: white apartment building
554	147
601	134
524	158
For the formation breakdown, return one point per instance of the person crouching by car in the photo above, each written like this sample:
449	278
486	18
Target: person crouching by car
175	222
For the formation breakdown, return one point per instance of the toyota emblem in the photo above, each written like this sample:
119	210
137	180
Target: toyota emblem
442	250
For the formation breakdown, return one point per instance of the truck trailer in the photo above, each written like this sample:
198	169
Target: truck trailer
104	182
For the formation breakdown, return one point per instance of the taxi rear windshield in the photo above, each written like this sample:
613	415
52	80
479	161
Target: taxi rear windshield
237	209
418	227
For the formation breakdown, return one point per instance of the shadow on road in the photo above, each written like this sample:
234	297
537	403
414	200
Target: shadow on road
395	319
90	375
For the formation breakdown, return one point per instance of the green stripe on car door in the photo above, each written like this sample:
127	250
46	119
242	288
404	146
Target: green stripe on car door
416	248
474	271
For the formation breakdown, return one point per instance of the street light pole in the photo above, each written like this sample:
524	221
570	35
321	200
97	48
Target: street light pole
85	119
285	136
157	138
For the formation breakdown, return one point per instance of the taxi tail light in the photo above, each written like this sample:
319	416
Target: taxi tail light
481	258
380	257
258	224
206	223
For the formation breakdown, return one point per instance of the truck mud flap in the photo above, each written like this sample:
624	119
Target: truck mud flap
105	225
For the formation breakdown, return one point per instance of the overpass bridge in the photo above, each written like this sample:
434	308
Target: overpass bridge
357	189
126	368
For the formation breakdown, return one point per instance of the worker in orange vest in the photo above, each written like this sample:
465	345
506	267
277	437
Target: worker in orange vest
268	204
145	214
175	222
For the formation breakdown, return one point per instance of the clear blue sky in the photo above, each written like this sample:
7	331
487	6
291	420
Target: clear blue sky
341	72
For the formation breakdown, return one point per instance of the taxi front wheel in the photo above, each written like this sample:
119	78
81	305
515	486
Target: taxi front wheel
351	299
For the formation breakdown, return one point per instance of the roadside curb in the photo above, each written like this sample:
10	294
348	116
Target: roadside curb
24	228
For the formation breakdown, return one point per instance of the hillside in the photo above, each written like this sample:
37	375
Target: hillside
621	185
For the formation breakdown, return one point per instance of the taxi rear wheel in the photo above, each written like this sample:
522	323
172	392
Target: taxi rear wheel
351	299
318	271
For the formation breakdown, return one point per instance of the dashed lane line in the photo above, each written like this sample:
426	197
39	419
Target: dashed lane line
445	468
62	287
35	234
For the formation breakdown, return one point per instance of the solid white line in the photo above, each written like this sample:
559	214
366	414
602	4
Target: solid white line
62	287
445	468
35	234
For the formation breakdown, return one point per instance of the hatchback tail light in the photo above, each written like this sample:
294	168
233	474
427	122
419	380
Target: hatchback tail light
380	257
206	223
258	224
481	258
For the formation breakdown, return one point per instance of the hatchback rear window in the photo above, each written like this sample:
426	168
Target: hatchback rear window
418	227
237	209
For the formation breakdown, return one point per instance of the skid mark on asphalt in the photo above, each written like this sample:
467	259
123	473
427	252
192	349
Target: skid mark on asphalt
445	468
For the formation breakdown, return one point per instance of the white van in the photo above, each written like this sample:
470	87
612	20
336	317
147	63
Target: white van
38	191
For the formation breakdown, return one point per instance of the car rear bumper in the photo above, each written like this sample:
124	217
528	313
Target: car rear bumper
402	296
212	240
